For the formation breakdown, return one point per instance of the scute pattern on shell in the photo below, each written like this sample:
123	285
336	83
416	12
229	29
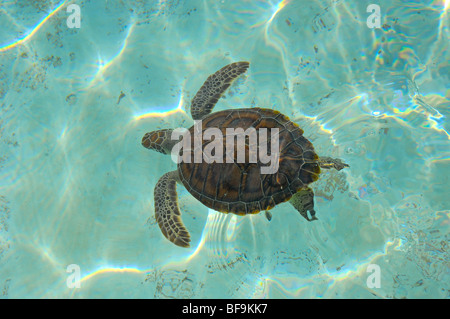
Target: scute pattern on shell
240	188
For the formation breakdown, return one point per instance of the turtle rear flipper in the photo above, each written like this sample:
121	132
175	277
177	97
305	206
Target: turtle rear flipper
167	212
268	215
328	162
213	88
303	201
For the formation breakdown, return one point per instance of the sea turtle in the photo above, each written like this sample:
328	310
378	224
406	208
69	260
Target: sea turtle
235	187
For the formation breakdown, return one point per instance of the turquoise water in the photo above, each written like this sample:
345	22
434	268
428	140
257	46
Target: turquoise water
76	185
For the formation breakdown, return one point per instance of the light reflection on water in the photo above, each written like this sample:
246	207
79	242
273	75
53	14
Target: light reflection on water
77	187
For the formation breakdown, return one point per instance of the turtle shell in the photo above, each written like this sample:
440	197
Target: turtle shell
234	186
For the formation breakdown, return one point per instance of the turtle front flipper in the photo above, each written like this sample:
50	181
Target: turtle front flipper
328	162
213	88
303	201
167	212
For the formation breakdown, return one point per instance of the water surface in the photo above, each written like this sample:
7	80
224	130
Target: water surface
76	186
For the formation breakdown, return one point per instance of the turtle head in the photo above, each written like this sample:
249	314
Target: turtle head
159	141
